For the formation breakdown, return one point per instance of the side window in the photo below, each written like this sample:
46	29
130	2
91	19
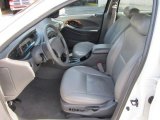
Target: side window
145	6
82	7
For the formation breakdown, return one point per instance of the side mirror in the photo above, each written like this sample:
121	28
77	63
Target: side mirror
55	14
61	12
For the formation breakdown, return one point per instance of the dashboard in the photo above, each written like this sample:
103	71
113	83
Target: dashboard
31	38
18	66
22	50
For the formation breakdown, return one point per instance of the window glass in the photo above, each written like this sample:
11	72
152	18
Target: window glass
142	5
84	7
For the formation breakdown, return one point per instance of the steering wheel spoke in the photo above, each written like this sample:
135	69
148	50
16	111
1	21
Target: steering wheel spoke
57	46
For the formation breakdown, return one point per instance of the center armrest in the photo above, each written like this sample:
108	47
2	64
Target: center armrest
101	48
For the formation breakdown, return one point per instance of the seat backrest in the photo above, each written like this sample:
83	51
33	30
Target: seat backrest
120	25
127	51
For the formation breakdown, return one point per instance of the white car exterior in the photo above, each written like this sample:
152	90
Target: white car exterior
148	83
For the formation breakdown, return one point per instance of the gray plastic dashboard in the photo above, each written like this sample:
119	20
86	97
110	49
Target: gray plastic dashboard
17	68
37	30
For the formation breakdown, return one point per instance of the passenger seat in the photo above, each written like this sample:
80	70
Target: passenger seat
83	48
89	92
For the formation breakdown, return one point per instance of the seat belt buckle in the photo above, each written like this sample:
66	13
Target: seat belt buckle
100	67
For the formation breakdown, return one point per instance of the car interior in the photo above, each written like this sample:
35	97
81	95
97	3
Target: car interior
75	66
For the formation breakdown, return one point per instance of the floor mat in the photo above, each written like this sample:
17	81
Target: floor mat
41	100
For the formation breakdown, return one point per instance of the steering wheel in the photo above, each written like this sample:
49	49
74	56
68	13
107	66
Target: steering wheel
56	45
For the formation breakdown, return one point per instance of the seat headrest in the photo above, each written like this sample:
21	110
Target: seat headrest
141	23
129	11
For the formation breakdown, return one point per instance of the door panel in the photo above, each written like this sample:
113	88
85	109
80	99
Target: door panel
82	21
75	35
81	28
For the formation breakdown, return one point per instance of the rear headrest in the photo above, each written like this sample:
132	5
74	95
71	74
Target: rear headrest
141	23
129	11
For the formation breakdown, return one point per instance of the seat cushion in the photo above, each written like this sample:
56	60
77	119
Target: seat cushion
86	86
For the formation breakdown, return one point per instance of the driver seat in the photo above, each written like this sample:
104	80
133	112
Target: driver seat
89	92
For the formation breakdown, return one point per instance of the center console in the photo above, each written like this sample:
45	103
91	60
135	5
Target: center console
97	54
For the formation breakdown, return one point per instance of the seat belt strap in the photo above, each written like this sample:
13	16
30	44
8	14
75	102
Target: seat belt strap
114	13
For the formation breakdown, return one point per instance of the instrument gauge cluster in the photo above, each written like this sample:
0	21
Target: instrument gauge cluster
23	49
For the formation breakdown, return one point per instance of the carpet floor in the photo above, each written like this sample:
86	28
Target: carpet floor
40	100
